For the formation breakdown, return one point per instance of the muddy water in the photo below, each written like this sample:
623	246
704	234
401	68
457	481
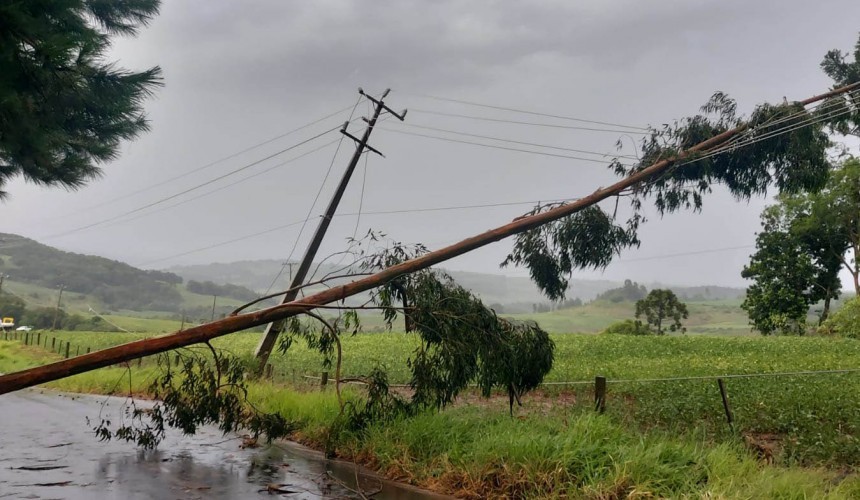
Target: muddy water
48	450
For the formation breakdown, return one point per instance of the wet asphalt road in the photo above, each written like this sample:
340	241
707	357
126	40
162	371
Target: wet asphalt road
48	450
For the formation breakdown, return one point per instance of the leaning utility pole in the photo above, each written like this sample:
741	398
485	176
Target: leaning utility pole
234	323
264	349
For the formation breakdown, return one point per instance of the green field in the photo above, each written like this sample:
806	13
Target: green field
663	438
716	317
657	438
795	407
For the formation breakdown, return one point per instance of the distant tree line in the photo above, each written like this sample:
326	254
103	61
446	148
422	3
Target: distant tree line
43	317
232	291
630	292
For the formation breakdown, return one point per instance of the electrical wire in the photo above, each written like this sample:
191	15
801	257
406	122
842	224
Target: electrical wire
501	139
769	135
193	188
684	254
213	163
534	124
364	213
527	112
227	186
227	242
493	146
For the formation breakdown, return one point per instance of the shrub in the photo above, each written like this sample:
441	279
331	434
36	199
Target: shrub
845	322
627	327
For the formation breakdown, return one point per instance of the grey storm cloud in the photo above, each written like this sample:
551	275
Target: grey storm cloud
237	73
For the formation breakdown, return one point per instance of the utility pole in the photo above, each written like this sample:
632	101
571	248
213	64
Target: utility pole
290	265
264	349
57	310
214	298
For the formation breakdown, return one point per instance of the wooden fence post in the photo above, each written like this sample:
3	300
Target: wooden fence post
67	350
53	342
39	338
600	394
323	379
88	350
728	409
77	350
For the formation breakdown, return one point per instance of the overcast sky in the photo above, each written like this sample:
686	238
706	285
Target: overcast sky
238	73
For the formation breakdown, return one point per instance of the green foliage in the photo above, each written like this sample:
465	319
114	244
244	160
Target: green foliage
783	275
227	290
845	322
630	292
845	110
586	239
626	327
800	251
463	341
12	306
43	317
63	107
660	305
198	390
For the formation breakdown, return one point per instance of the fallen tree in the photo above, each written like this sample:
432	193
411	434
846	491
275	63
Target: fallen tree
661	171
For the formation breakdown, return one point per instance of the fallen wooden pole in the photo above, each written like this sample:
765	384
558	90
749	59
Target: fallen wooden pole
145	347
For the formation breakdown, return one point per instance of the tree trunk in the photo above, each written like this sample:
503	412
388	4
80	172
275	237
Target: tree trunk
826	311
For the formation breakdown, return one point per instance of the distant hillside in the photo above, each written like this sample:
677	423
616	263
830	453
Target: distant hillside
36	271
115	284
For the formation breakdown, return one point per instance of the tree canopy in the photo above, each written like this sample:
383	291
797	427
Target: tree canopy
63	107
806	239
659	306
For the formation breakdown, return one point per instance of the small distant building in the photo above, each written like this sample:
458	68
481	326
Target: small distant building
7	323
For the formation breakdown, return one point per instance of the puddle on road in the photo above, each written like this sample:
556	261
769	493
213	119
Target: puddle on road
47	450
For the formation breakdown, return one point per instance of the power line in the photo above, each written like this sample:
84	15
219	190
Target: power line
365	213
683	254
193	188
766	136
501	139
227	242
493	146
227	186
534	124
216	162
527	112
